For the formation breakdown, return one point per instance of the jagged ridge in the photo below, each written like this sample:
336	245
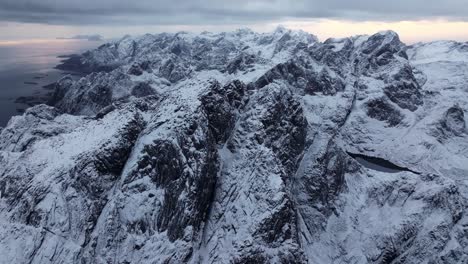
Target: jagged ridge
232	148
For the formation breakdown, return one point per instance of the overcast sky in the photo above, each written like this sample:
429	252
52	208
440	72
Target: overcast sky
21	19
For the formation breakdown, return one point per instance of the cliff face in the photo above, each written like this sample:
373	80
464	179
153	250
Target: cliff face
235	148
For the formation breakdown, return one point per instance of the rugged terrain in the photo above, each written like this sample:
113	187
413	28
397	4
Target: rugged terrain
244	147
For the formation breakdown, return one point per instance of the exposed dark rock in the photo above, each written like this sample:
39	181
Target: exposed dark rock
113	160
405	95
143	89
174	71
332	54
382	49
289	71
325	83
241	63
382	110
382	43
220	105
276	229
300	76
452	124
138	68
135	69
187	193
454	120
325	187
74	63
286	128
61	87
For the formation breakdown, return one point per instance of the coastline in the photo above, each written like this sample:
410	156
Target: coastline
70	66
29	71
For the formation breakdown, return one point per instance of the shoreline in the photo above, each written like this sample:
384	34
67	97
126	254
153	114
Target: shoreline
70	65
30	71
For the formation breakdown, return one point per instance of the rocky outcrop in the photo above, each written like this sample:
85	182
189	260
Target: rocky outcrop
142	89
383	110
138	68
60	88
241	63
89	95
36	196
253	218
37	123
406	96
221	105
454	120
299	76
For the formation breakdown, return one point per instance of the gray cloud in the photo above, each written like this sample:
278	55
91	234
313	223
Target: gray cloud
191	12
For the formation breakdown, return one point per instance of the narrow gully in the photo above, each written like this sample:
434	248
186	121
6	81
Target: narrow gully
379	164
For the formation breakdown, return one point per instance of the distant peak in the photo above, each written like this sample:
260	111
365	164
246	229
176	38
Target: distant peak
127	36
244	31
281	29
387	32
387	36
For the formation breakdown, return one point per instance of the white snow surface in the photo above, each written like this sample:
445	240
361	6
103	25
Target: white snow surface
238	147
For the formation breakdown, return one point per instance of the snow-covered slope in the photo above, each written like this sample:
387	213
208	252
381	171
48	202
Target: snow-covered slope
242	147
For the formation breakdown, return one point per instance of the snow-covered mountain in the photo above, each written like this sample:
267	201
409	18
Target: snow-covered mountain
243	147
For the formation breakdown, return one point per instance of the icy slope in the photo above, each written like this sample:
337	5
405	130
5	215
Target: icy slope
236	148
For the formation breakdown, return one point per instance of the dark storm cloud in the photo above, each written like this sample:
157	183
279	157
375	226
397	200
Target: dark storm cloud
81	12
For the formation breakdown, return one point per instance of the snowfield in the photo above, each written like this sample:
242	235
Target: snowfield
240	147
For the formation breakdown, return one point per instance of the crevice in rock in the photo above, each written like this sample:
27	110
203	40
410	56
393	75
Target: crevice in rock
379	164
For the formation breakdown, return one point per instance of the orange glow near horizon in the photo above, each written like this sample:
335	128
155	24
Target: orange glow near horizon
409	31
32	41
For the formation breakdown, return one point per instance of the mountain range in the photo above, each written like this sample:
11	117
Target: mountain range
243	147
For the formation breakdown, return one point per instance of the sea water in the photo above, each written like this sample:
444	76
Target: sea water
25	67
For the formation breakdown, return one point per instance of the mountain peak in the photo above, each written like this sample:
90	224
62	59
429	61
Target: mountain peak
280	29
389	34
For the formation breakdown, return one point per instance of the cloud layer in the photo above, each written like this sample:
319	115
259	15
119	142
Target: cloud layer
197	12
